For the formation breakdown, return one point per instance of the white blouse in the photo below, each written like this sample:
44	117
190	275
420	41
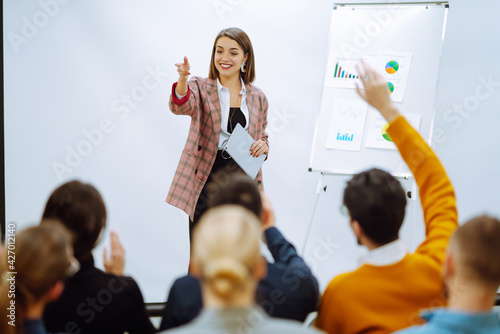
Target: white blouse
225	104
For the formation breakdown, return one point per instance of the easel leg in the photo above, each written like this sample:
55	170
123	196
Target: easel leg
318	192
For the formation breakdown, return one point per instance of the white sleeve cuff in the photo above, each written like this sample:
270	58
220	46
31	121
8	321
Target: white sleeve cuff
179	96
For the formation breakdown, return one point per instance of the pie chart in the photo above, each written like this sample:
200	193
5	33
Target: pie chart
392	67
385	134
390	85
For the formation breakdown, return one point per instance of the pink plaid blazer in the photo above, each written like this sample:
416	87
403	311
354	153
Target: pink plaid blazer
198	157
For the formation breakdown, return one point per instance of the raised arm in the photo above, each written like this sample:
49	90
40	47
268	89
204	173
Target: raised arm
376	93
435	189
183	69
281	249
184	99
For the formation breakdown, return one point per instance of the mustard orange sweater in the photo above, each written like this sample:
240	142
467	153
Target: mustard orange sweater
383	299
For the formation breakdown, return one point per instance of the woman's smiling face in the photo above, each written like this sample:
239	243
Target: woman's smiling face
228	57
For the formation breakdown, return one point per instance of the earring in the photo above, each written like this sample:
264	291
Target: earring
243	67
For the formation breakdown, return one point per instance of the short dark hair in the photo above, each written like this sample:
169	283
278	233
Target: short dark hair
377	201
240	37
81	209
478	244
237	189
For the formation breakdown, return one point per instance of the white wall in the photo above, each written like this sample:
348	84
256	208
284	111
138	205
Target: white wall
73	73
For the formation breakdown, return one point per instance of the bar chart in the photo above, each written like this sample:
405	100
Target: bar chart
346	124
345	136
342	72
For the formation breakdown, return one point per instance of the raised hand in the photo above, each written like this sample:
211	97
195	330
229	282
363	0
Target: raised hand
376	92
183	68
116	263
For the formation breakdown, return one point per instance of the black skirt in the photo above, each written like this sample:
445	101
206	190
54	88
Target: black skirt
223	166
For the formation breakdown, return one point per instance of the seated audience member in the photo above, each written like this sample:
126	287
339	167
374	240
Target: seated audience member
289	290
93	301
227	261
41	260
386	292
472	275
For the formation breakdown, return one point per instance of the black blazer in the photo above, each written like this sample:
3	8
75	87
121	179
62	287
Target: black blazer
289	291
96	302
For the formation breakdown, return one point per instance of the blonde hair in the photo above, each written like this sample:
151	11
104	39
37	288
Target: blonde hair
226	248
42	258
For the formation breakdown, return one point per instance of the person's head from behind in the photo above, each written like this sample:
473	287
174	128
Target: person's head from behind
226	256
473	256
232	48
81	209
43	260
237	189
376	204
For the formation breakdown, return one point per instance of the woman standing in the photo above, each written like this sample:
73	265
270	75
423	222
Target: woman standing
216	105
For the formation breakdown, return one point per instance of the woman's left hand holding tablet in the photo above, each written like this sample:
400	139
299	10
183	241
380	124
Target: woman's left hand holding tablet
259	147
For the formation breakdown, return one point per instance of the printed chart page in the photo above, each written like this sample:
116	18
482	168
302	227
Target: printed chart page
341	71
377	136
347	124
395	67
